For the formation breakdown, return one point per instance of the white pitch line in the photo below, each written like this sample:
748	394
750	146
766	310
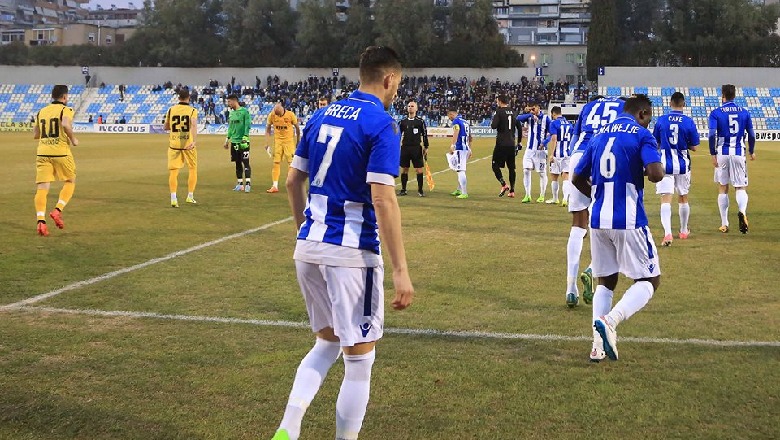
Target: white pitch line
400	331
109	275
138	266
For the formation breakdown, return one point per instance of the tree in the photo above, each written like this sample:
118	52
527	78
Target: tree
259	32
603	37
415	43
320	34
359	32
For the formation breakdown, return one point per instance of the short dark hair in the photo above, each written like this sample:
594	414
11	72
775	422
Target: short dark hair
533	104
184	94
729	91
375	61
411	101
555	110
677	99
59	91
323	97
452	108
636	104
232	96
502	98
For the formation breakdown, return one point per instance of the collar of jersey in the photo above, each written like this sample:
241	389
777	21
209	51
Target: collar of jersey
626	116
678	112
728	103
366	97
58	102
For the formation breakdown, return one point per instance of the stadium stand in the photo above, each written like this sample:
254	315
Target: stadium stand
146	104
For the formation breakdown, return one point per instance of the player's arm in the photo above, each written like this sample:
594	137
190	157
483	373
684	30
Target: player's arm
651	159
67	127
193	129
36	128
297	130
296	190
552	140
268	124
388	217
657	132
713	137
455	132
167	123
495	121
751	137
693	137
581	177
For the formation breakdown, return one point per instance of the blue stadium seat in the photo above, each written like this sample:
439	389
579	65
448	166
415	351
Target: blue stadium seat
749	92
774	92
641	90
613	91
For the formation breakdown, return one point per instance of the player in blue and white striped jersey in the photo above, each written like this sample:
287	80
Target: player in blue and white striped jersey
349	156
535	156
729	124
612	169
460	150
560	137
599	112
676	134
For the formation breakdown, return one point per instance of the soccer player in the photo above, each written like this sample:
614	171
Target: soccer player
560	137
239	122
349	157
283	121
323	101
460	150
535	156
594	115
728	125
504	152
612	167
413	134
676	134
54	131
182	122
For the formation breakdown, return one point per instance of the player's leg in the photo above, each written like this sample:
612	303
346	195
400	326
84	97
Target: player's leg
44	175
247	170
496	164
683	185
357	295
236	157
565	189
191	158
462	181
578	207
722	179
315	366
739	179
554	174
665	188
420	179
606	268
511	167
541	168
528	167
65	168
276	168
406	160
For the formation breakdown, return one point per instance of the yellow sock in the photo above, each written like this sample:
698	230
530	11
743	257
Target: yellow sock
40	203
192	180
65	194
172	180
276	171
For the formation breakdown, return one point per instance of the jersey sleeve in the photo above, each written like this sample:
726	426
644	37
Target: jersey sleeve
693	134
649	148
751	135
522	119
555	127
385	155
657	131
247	122
294	118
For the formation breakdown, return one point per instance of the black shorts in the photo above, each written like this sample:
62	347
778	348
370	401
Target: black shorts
504	156
412	154
237	154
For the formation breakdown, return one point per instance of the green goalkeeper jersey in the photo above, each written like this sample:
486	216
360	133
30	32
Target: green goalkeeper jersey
239	123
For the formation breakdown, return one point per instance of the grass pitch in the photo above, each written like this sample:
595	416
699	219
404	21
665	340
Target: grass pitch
69	370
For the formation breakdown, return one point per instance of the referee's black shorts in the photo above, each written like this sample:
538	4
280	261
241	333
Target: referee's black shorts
504	156
412	154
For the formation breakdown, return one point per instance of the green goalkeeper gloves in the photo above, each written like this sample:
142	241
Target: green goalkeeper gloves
245	142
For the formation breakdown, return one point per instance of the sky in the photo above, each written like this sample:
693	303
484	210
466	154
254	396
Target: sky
119	3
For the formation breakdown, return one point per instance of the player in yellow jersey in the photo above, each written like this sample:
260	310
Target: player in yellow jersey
54	131
182	121
283	121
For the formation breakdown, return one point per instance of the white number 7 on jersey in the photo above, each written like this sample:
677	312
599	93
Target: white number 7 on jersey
334	133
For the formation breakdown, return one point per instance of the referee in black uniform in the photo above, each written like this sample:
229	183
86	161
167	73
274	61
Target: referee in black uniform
412	132
505	124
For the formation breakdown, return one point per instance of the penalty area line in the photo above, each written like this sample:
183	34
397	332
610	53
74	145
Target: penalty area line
460	334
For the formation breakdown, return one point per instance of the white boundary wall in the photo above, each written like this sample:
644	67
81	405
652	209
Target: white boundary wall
690	77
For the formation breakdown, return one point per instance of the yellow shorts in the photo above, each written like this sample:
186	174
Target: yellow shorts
49	169
284	149
177	158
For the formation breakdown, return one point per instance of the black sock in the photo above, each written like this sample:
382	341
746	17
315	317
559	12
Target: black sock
419	182
404	179
512	177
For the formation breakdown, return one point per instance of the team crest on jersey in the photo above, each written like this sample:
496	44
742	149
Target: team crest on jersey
651	267
365	328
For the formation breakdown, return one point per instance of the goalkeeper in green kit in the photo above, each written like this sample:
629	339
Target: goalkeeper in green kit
238	142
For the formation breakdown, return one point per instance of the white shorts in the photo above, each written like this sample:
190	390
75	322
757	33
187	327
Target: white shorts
458	160
535	160
671	183
731	170
631	252
559	165
577	200
351	300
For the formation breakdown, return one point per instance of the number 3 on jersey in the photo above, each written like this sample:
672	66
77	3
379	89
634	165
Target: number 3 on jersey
608	160
334	133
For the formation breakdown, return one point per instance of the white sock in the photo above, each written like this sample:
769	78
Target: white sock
173	196
602	301
527	182
240	182
543	184
685	214
462	181
353	396
190	195
742	199
636	297
723	204
566	190
248	181
573	252
666	218
276	184
555	188
312	371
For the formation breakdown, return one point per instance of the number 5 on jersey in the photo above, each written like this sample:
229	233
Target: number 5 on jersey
334	133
